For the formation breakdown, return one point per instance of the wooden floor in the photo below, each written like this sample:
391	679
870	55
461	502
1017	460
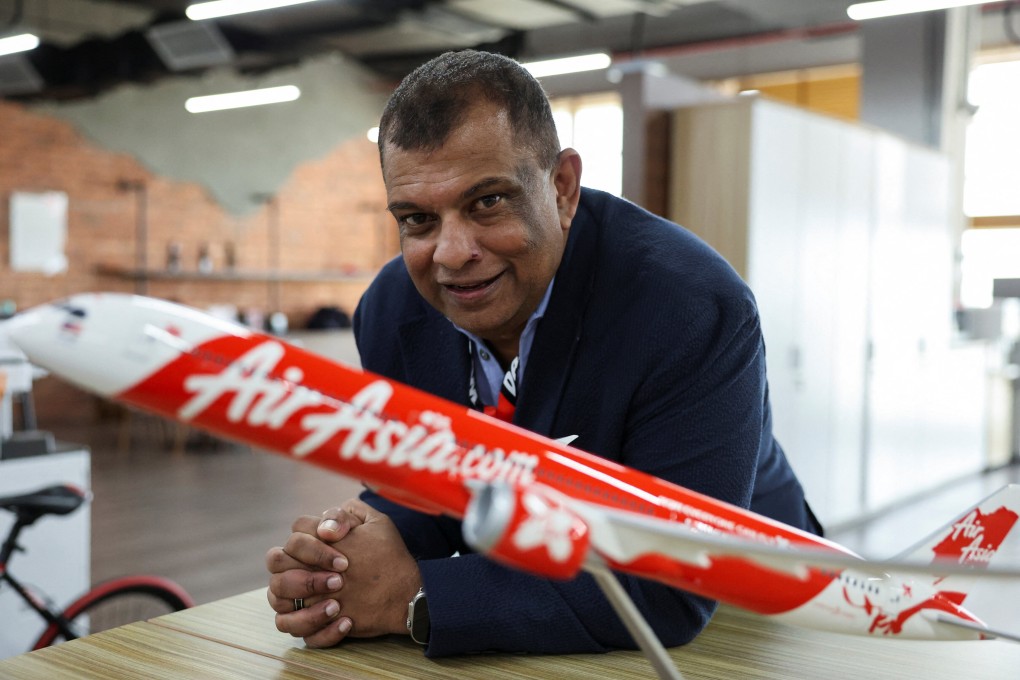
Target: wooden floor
204	514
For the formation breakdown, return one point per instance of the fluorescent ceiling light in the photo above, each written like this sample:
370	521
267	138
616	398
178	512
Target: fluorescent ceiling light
18	43
223	8
651	67
236	100
888	8
556	67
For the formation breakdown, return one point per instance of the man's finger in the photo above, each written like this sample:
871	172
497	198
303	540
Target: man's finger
305	524
288	605
309	621
278	561
331	635
301	583
336	523
312	552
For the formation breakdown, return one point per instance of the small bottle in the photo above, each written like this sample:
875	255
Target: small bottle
278	323
8	308
173	257
254	318
204	259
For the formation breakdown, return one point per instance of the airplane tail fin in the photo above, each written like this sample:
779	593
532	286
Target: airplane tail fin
975	537
986	534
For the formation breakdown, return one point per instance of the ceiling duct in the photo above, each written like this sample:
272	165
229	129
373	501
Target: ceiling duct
18	76
185	45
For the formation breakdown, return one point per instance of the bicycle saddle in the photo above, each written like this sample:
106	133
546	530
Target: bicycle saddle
60	499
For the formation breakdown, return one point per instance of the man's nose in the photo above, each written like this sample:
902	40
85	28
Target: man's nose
456	245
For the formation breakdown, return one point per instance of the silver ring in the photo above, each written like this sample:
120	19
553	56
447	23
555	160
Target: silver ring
299	604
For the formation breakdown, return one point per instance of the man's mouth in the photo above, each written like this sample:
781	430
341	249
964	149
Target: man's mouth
471	287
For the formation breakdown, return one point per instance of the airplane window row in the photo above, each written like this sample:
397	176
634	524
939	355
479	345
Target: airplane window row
861	584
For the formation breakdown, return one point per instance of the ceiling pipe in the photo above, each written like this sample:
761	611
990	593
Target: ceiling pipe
752	39
717	45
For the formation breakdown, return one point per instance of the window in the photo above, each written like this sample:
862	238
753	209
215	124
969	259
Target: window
593	125
991	178
988	254
992	160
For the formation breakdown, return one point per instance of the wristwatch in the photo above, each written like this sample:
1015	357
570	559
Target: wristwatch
418	618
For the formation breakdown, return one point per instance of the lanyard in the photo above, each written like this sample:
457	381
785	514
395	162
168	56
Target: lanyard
507	402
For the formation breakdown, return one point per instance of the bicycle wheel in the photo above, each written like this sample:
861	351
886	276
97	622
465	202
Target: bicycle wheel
117	603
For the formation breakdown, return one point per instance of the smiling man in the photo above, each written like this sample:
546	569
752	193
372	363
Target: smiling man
565	310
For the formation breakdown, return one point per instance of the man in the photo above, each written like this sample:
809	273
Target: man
617	326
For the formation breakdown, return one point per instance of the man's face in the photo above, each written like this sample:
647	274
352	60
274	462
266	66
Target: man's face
482	226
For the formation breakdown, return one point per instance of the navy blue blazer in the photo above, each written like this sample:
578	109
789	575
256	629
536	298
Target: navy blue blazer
651	353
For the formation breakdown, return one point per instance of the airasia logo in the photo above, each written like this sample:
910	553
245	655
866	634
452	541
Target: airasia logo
259	397
547	524
975	538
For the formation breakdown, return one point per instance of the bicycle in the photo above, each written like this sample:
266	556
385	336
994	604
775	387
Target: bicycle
110	604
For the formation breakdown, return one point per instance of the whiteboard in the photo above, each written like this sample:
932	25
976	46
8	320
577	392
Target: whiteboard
38	232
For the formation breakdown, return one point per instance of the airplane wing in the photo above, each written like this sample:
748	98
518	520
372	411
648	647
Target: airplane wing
504	522
984	630
621	536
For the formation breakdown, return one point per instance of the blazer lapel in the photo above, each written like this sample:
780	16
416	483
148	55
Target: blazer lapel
435	356
559	332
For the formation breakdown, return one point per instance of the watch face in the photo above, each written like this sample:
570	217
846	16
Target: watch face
418	618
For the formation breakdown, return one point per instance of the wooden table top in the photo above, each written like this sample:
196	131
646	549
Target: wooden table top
236	638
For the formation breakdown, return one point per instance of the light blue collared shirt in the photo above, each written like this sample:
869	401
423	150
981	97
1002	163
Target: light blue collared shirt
486	364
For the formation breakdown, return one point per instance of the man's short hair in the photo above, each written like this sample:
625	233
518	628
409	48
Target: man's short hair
433	100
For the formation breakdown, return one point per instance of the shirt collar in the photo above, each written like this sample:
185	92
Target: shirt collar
486	373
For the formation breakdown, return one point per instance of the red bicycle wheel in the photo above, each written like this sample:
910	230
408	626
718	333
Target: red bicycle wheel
116	603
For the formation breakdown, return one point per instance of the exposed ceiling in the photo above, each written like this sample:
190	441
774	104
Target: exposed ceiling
92	45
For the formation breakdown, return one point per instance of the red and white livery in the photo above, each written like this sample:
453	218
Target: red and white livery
527	501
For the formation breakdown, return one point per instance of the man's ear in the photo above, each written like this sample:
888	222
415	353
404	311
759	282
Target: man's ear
567	181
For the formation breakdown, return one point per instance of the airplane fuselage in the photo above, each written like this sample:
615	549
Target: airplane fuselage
427	453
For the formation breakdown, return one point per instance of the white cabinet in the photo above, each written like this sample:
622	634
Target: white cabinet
843	233
821	260
56	557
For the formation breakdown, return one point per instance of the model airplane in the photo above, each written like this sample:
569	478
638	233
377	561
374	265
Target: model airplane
525	500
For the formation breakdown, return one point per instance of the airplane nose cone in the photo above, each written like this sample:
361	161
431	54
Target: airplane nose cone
13	362
20	331
108	342
42	335
68	338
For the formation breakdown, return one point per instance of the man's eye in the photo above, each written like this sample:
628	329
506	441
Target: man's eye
413	220
490	201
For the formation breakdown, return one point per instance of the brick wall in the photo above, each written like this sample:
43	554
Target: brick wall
331	217
330	214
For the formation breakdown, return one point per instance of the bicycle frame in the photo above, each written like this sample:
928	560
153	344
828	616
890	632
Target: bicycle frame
62	500
52	618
